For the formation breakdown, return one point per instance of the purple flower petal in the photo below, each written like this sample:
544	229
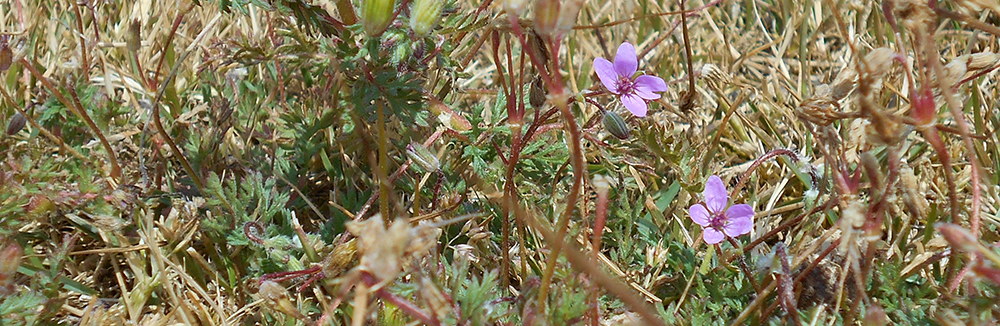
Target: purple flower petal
713	236
625	60
716	197
740	219
636	105
699	214
646	85
606	72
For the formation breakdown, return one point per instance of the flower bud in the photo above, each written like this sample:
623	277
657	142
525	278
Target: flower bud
16	124
424	16
959	237
376	15
422	157
546	16
922	106
277	298
6	55
401	53
567	15
537	93
133	41
875	316
450	118
515	7
616	125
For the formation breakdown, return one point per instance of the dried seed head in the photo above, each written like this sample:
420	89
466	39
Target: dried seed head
424	237
689	100
878	63
17	122
424	16
982	60
715	76
381	249
954	71
913	196
465	252
976	7
887	132
914	14
968	65
616	125
821	108
843	84
385	252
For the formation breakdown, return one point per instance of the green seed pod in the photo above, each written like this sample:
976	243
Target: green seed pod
422	157
616	125
376	15
424	16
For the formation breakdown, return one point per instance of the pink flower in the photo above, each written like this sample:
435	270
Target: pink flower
617	78
718	221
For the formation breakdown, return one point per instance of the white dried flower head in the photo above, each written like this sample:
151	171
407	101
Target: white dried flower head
913	196
567	15
914	14
821	108
515	7
715	76
878	63
843	84
968	65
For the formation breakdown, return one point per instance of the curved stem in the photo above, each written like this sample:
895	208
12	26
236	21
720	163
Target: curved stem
80	111
560	98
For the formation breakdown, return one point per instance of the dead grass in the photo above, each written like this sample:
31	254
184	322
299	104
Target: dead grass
142	220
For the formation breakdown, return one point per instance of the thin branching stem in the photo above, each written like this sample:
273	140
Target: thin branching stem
80	112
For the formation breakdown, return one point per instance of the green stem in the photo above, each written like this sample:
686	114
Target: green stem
383	164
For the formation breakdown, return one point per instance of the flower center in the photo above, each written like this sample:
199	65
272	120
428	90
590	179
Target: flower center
718	221
625	85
